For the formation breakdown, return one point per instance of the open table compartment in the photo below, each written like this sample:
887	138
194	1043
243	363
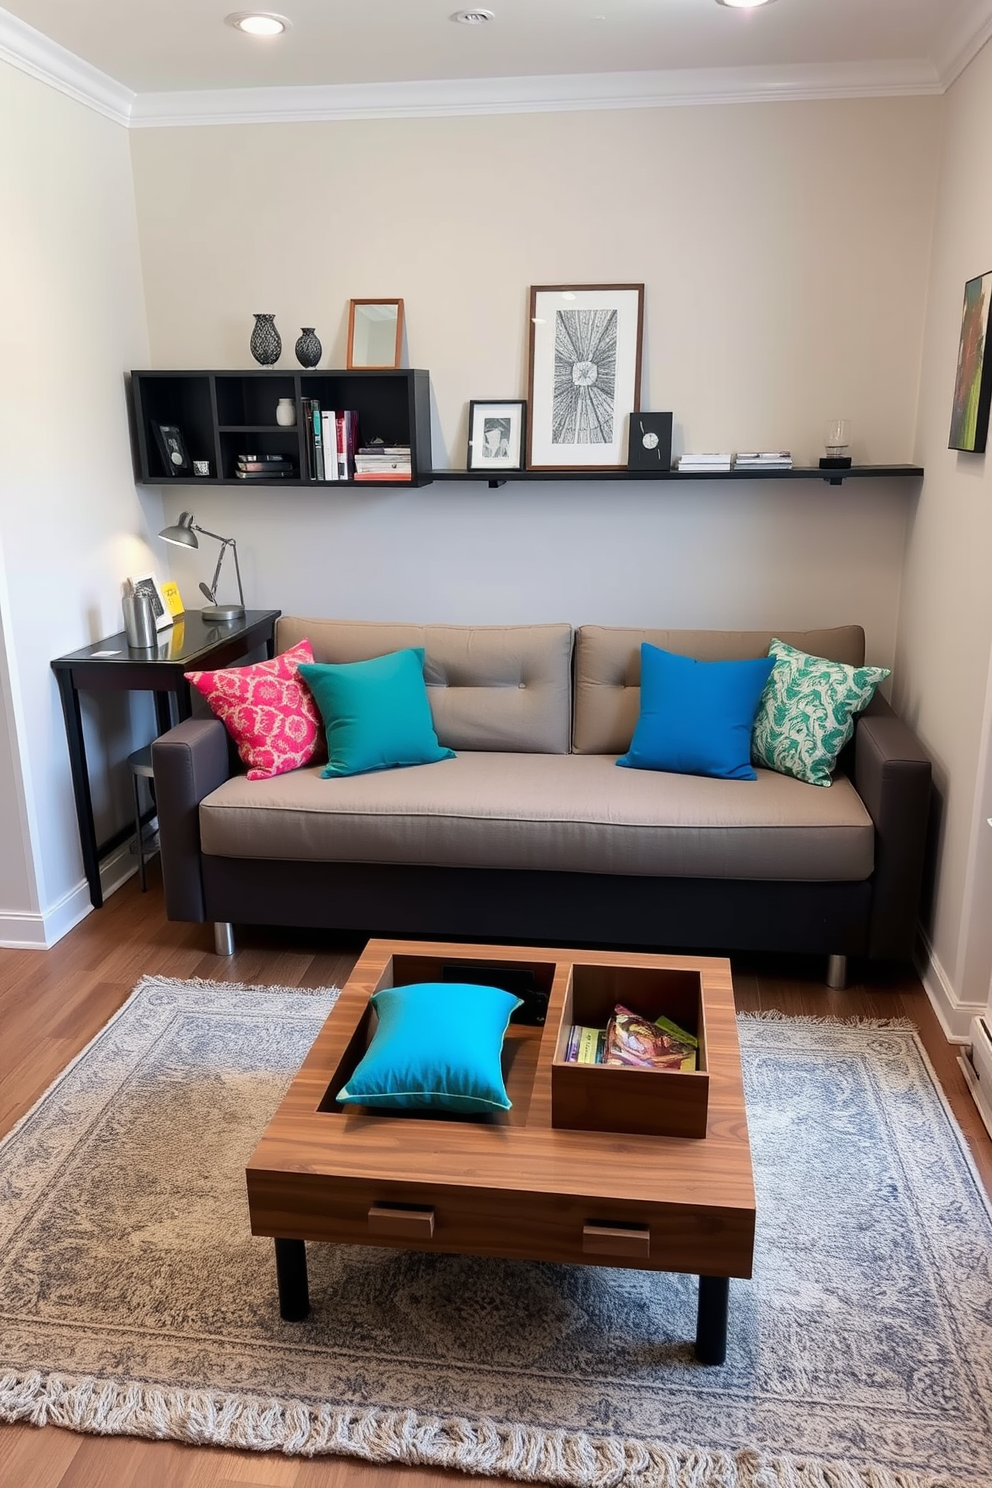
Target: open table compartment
619	1098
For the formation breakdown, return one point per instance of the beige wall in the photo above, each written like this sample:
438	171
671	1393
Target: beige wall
71	525
946	625
784	249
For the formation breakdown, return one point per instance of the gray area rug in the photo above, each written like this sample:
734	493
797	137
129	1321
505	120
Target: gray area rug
134	1301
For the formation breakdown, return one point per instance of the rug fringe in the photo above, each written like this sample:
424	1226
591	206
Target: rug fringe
485	1447
164	982
775	1015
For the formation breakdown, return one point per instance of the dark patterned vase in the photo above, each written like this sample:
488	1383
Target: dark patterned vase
266	342
308	348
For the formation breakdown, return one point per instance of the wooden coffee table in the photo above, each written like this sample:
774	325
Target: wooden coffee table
592	1166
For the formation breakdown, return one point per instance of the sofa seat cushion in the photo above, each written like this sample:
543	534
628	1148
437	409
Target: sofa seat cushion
570	813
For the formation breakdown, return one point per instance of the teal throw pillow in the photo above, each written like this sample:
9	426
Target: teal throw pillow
376	713
437	1047
696	716
806	713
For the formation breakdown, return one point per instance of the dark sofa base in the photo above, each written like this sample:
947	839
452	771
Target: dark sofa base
547	908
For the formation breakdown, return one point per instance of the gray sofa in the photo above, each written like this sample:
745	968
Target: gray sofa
532	833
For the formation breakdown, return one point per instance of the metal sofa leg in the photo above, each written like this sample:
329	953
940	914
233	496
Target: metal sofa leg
837	972
223	938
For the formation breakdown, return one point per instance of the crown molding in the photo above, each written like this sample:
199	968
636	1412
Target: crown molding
586	91
962	38
34	53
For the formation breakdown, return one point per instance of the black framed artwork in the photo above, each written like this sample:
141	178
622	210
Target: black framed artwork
649	441
172	448
496	434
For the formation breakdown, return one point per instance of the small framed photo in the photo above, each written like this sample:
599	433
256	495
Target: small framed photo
496	434
172	448
585	374
149	584
649	445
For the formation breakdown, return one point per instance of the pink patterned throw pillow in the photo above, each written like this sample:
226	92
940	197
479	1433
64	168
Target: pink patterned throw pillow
268	711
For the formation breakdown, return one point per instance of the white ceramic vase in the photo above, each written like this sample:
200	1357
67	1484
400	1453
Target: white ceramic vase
286	411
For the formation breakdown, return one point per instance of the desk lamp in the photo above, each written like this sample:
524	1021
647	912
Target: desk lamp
183	534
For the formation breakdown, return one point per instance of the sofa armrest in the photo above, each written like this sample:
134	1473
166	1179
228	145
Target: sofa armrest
892	777
189	761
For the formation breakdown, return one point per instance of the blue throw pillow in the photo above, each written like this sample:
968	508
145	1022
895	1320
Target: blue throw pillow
437	1047
696	716
376	713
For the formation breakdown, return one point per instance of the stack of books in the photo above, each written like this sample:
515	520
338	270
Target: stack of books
330	438
383	462
264	467
631	1040
763	460
709	461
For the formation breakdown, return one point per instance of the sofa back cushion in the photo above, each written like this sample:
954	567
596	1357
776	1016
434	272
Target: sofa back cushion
608	669
491	687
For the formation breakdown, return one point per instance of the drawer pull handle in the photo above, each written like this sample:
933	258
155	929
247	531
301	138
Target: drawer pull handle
404	1223
613	1240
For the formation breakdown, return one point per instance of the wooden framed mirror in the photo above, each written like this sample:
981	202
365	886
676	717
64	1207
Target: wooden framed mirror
375	333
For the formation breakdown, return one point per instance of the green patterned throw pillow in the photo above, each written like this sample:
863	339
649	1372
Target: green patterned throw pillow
806	712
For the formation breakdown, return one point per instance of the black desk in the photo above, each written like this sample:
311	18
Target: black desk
191	644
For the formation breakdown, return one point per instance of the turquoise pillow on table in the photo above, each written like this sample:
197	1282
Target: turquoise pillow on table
376	713
696	716
438	1046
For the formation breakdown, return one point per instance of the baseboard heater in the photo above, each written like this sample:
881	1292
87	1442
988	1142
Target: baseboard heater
976	1066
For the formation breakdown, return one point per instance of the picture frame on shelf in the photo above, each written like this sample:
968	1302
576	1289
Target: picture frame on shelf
173	599
496	432
172	448
973	377
375	334
584	374
147	583
649	442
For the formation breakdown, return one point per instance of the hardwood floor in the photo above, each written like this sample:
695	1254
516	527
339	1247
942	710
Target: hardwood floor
53	1002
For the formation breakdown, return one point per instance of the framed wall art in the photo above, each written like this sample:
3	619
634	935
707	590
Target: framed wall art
973	379
172	448
496	434
585	374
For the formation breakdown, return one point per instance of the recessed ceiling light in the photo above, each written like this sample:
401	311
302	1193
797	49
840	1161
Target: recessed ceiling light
258	23
472	17
744	4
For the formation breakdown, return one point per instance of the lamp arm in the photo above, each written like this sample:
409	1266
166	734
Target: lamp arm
237	570
220	559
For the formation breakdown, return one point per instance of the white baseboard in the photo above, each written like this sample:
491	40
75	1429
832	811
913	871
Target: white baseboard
39	932
953	1015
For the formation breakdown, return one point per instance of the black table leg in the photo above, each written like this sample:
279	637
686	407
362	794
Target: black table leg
291	1275
81	785
711	1319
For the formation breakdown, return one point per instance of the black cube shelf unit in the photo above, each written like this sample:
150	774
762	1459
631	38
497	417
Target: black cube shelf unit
225	414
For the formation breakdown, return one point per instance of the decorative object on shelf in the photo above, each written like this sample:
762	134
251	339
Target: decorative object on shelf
266	342
836	442
139	618
375	333
496	434
183	534
649	441
201	467
308	347
973	379
148	585
173	599
286	412
172	448
585	373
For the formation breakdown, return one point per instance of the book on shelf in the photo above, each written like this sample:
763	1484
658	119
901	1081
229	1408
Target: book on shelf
763	459
249	458
706	460
329	426
643	1043
400	476
271	473
273	467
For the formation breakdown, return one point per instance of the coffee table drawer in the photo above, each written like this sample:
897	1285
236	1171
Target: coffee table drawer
524	1226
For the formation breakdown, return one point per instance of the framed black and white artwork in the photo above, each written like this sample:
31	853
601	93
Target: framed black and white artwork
496	434
585	374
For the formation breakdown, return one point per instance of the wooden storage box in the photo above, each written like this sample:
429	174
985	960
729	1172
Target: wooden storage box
615	1098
